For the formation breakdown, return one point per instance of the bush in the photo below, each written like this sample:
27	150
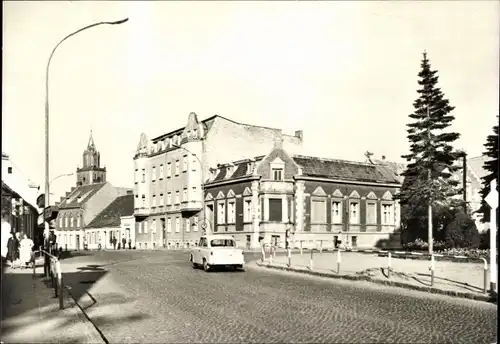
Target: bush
393	242
484	240
421	245
466	252
461	232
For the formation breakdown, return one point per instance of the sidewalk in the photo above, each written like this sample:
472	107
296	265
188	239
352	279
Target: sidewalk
30	312
450	278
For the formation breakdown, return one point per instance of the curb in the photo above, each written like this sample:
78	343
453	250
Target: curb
464	295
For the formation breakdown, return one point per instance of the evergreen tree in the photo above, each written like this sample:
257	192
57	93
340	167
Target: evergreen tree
490	165
430	150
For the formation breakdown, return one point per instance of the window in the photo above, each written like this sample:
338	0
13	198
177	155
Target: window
139	228
275	209
153	226
177	196
169	225
222	243
154	200
387	214
66	221
78	220
145	226
318	211
193	165
230	212
247	210
185	195
169	170
184	163
176	167
153	178
144	201
195	132
221	212
136	176
186	224
169	198
161	171
162	202
143	175
354	212
195	224
277	174
177	224
354	241
371	213
71	221
337	212
9	170
194	192
60	222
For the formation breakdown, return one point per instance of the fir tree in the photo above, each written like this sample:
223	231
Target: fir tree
430	150
490	165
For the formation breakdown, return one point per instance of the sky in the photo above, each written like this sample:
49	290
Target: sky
343	72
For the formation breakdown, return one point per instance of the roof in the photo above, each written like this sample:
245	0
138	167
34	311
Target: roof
110	216
477	163
397	168
80	195
240	170
345	170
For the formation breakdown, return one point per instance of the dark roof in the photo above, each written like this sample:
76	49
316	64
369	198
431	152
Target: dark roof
84	192
207	124
110	216
345	170
240	170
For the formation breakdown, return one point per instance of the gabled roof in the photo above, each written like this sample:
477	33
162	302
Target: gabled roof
110	216
240	169
82	193
344	170
477	163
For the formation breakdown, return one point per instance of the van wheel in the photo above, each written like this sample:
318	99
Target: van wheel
206	267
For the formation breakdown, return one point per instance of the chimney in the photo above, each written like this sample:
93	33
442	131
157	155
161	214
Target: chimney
299	134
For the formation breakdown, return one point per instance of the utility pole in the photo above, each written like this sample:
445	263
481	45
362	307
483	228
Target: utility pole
429	178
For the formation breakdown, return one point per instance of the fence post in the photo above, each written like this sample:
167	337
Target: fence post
485	275
338	261
60	284
289	257
311	260
432	270
389	265
270	255
263	251
301	252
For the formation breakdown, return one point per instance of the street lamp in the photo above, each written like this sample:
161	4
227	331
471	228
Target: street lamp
59	176
47	182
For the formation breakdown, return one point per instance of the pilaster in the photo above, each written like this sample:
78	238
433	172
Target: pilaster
256	214
299	206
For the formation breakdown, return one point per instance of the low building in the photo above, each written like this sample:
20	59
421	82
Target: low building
115	221
317	199
19	206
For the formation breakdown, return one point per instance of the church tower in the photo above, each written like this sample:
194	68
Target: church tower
91	171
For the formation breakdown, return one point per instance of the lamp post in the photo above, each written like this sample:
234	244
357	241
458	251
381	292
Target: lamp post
59	176
201	171
47	180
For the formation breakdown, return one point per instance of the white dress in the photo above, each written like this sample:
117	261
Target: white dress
25	250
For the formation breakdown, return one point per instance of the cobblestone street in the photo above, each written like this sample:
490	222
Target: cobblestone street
158	297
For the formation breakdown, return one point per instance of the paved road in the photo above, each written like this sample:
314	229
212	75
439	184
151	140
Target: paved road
154	297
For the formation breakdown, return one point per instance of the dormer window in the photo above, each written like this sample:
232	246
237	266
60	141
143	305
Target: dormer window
277	169
250	167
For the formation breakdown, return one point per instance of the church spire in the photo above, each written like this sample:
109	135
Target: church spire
91	145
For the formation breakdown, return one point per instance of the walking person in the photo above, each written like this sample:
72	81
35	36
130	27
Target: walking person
124	241
25	251
12	247
114	243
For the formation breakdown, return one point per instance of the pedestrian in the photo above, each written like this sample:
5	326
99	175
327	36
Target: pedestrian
25	250
12	247
124	241
114	243
129	244
6	236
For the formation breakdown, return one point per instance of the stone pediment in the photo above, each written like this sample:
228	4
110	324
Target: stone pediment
337	193
387	196
319	191
371	195
354	194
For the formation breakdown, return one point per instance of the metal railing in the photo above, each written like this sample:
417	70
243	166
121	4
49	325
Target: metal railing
432	268
52	269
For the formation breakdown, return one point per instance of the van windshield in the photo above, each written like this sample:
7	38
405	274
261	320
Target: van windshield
222	243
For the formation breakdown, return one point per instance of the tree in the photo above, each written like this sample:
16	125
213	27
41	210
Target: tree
490	165
432	159
461	231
